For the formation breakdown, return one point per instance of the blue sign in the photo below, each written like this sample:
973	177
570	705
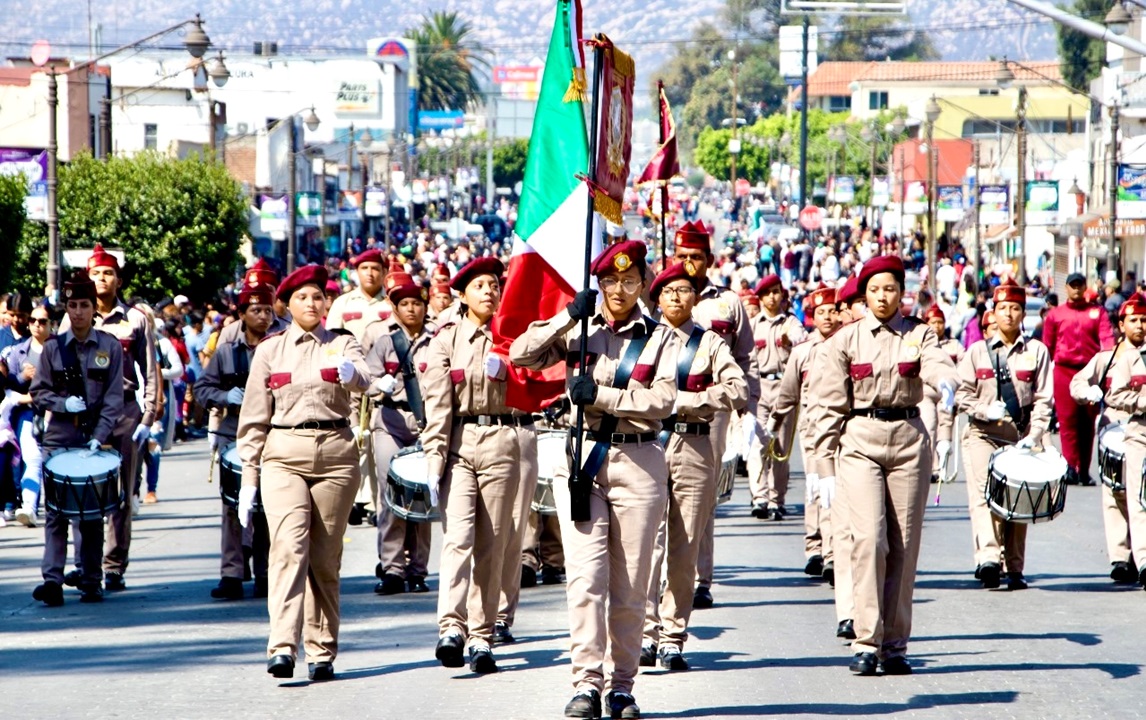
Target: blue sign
440	119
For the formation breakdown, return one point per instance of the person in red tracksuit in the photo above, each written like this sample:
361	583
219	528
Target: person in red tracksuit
1075	332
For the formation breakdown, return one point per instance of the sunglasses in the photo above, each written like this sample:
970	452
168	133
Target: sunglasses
39	321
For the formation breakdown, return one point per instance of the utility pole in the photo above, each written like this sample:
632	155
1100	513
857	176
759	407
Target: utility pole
1113	261
804	119
974	257
1021	190
292	181
53	218
734	143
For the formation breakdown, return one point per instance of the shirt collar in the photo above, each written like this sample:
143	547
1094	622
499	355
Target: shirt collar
296	335
68	337
470	330
997	342
684	332
871	323
635	318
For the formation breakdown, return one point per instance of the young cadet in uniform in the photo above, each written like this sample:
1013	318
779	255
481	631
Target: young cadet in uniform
258	274
775	333
220	389
1090	386
940	425
718	309
867	412
472	450
542	554
79	385
396	356
708	381
1005	388
366	303
294	424
609	517
793	396
136	335
441	298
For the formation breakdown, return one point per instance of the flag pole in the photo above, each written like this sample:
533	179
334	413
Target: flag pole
580	486
664	183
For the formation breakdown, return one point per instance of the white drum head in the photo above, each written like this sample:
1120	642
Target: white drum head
78	463
1113	438
1023	466
410	467
550	453
231	455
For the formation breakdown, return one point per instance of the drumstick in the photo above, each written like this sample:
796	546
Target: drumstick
211	467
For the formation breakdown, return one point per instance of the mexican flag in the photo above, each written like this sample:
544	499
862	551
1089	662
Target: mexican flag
547	265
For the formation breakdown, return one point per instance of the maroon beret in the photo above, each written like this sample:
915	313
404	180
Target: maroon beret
694	236
1010	292
619	257
441	289
102	258
80	287
850	292
257	295
882	264
823	296
1134	305
305	275
408	288
676	271
480	266
260	274
766	283
934	312
373	255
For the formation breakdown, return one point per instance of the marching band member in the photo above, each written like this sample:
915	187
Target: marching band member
79	385
515	540
793	397
1090	386
542	554
866	411
940	425
472	450
261	273
366	303
1005	388
294	424
775	334
18	365
708	381
720	310
627	388
396	355
220	389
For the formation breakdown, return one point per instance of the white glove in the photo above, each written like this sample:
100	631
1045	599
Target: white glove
434	481
1026	443
748	427
345	369
141	434
356	431
996	411
494	367
947	396
943	450
729	454
212	440
93	445
75	404
388	384
827	489
1094	394
811	487
235	396
246	504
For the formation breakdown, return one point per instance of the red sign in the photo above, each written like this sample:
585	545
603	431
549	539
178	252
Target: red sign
811	218
743	187
516	74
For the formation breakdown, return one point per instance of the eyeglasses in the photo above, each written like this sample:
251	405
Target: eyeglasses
680	292
40	321
629	285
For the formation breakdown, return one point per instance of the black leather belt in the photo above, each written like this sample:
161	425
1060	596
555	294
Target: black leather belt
771	376
887	414
490	420
622	438
316	425
678	427
395	404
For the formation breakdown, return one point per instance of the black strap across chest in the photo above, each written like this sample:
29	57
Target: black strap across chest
409	378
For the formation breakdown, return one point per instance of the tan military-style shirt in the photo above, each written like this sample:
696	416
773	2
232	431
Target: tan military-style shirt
644	401
713	383
719	309
136	335
293	381
1127	393
100	359
1029	364
355	310
773	339
869	364
226	370
945	420
1097	374
391	412
795	389
235	330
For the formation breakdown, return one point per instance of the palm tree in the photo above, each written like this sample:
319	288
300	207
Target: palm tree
447	59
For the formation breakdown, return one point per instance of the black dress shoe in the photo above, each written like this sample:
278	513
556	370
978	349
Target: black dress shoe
281	666
113	582
648	655
417	584
1071	476
391	585
671	659
260	590
864	664
760	512
1142	578
1016	581
989	574
451	651
775	514
501	634
74	578
528	577
91	593
702	598
814	566
50	593
622	705
584	705
379	572
846	630
551	575
934	478
320	671
830	573
896	666
357	513
228	589
481	660
1123	573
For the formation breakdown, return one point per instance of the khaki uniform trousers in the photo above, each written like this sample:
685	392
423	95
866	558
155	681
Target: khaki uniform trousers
1116	521
88	543
767	476
995	539
477	497
542	544
236	540
308	482
515	542
886	468
817	521
608	559
691	498
719	430
842	546
118	541
1135	456
369	486
403	546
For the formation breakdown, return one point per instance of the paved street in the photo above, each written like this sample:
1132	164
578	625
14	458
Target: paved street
1070	647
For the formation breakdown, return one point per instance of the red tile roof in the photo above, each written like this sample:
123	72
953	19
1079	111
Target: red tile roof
833	78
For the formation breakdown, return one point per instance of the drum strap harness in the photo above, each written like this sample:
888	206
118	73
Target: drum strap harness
75	384
1005	389
409	379
684	364
582	482
242	367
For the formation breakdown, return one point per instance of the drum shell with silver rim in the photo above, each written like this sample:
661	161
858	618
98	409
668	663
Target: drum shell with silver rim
82	484
726	480
551	446
1026	487
231	478
1111	454
408	488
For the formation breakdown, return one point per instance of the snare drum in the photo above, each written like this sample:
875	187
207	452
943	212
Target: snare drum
550	454
82	484
1026	487
231	479
1111	453
408	488
726	480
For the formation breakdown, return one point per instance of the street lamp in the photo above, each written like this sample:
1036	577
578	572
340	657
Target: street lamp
931	113
734	143
1118	19
311	121
366	142
1004	78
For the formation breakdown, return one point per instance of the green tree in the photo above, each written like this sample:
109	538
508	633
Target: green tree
13	188
508	163
448	58
179	222
877	38
1082	56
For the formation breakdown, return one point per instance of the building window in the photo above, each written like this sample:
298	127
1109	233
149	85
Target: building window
877	100
150	136
983	128
989	91
839	103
